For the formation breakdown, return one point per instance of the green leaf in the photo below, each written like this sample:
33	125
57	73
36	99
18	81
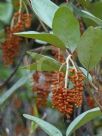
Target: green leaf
87	15
43	63
90	47
6	10
50	38
9	92
2	35
83	119
95	8
84	3
45	10
47	127
66	27
86	73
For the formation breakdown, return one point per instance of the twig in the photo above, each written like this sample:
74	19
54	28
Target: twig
12	74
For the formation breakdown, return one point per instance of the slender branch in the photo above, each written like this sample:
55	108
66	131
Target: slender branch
12	74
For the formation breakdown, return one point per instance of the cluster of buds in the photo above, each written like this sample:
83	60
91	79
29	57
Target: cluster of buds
23	19
41	87
57	54
60	96
77	80
11	45
64	99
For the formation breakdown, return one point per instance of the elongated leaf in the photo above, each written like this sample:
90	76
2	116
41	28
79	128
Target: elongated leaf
43	63
50	38
83	119
45	10
47	127
95	8
66	27
90	47
86	73
5	11
9	92
88	15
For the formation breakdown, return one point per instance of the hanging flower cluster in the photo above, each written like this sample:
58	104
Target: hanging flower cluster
41	87
58	55
11	45
57	83
64	99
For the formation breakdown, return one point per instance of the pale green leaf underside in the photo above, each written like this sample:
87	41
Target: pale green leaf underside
6	9
45	10
83	119
9	92
50	38
47	127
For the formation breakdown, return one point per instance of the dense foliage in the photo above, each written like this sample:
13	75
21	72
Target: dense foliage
50	69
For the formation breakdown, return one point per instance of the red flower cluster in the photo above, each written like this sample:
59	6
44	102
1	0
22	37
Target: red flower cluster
42	88
54	82
11	45
57	54
64	99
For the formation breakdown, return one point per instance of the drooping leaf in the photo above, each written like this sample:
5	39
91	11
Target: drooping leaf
90	47
95	8
50	38
9	92
83	119
45	10
47	127
86	73
6	9
43	63
87	15
66	27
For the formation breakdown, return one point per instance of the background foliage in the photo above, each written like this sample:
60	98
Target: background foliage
73	25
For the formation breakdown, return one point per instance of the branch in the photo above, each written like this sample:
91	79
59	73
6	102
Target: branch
12	74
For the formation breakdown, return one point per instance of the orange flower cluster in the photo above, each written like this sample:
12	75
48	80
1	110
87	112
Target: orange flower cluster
54	82
65	99
57	54
90	101
77	80
11	45
24	19
42	88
